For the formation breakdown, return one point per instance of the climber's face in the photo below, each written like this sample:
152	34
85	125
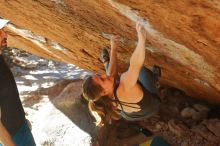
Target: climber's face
106	82
3	39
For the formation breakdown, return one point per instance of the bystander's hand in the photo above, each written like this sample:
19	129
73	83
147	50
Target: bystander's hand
3	40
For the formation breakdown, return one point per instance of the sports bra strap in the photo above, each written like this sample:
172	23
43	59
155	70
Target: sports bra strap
122	102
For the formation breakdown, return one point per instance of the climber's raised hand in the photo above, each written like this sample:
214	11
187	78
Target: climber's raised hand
142	34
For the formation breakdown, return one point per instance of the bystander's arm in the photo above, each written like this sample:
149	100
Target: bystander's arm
5	137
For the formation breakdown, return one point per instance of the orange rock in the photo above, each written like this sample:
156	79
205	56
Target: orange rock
184	36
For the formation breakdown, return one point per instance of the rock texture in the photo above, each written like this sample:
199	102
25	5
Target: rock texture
183	36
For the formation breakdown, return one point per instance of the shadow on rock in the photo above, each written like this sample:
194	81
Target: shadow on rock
70	102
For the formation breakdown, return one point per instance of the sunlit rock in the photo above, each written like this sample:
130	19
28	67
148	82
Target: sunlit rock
183	36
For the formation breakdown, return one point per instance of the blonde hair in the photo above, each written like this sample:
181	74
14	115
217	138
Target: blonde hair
103	109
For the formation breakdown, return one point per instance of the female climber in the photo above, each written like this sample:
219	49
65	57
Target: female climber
132	95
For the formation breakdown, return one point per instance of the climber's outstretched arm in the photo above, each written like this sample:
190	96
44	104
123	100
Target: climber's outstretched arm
130	77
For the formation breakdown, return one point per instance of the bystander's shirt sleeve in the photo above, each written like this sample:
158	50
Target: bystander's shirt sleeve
3	84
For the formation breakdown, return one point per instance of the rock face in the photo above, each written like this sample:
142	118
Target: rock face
183	36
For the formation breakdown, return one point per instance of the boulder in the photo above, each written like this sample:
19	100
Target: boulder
214	126
205	133
183	36
178	128
188	112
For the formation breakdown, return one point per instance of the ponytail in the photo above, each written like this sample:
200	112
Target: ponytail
97	112
103	111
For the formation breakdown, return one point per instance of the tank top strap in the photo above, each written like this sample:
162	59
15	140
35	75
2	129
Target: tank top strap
117	99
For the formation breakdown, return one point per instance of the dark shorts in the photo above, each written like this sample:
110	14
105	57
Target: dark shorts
24	136
148	80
